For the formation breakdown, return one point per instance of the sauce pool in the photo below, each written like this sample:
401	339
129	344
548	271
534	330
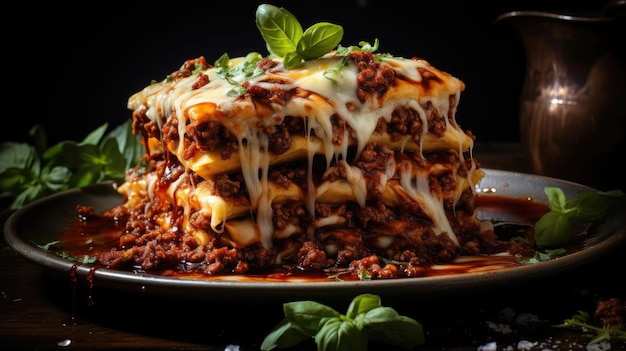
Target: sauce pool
89	235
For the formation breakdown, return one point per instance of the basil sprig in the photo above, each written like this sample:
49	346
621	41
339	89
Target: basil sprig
31	171
554	229
285	38
365	319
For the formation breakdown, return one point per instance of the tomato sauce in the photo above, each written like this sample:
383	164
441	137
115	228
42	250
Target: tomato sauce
512	217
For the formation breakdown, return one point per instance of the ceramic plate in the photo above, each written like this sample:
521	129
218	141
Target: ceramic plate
42	221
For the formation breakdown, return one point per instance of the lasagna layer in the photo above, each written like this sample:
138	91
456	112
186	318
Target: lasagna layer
354	156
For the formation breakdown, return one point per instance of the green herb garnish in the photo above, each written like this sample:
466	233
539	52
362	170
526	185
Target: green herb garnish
285	38
365	319
29	172
548	255
239	73
582	321
554	229
55	247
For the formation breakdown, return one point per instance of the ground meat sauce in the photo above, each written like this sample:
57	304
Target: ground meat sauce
170	255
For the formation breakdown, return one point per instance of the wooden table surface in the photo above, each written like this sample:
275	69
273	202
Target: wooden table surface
40	311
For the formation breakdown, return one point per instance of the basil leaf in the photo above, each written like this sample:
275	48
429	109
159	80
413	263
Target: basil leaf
83	160
84	176
556	198
362	304
380	315
30	172
279	28
53	151
12	180
39	138
76	155
319	39
292	59
114	163
333	331
553	230
308	316
222	62
56	178
284	335
340	335
591	206
15	155
95	136
284	37
130	146
403	332
30	194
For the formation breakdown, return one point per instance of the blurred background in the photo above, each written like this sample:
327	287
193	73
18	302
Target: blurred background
72	67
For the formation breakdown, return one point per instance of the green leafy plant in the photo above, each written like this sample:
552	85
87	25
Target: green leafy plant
285	37
366	319
582	321
554	229
31	171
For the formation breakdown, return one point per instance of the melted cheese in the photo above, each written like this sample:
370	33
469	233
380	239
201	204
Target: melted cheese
319	98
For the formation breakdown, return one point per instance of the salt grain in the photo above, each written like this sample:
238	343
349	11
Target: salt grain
526	345
600	346
507	314
527	318
64	343
491	346
501	328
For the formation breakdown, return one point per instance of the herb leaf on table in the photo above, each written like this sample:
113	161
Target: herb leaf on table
582	321
365	319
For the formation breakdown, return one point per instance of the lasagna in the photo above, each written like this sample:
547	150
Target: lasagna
350	161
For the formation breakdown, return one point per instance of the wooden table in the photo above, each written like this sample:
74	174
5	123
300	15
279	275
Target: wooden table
38	311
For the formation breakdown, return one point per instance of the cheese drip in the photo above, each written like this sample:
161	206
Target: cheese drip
255	168
319	98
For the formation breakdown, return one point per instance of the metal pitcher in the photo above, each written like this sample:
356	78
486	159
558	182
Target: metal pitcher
573	102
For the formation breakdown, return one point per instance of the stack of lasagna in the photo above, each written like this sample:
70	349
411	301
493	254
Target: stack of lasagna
345	161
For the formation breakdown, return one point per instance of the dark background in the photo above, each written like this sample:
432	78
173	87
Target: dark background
72	68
